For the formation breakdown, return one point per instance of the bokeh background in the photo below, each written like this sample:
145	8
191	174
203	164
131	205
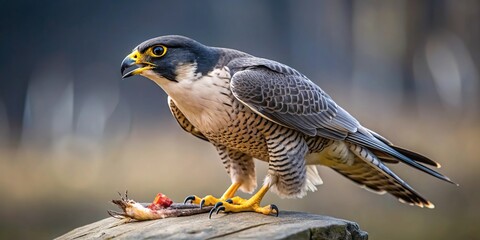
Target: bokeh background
73	133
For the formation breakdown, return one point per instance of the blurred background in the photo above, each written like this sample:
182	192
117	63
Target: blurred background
73	133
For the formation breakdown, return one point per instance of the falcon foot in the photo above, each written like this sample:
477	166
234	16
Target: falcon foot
248	206
210	200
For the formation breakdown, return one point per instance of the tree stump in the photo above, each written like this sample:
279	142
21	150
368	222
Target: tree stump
288	225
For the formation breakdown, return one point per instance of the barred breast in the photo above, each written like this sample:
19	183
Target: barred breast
208	103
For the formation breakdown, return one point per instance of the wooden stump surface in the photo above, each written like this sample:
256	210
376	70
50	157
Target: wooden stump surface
288	225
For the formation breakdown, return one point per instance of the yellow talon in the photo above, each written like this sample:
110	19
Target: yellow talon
250	205
210	200
228	203
238	200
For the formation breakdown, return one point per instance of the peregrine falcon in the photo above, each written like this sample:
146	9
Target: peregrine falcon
255	108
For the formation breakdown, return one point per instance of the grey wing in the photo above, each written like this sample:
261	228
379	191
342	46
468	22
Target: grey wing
183	121
287	97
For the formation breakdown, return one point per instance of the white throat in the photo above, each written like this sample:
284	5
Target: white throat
198	97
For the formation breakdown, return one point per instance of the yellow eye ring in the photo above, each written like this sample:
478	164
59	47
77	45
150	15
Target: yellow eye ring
158	51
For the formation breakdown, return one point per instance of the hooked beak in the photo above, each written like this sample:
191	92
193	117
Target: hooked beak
131	60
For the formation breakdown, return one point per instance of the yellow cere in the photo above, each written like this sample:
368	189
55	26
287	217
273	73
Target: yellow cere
139	59
135	55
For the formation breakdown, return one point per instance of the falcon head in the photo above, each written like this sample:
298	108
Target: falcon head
168	57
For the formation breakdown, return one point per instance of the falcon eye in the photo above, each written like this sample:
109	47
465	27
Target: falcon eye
159	51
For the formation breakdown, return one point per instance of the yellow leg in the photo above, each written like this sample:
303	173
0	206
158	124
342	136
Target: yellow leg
210	200
230	191
250	205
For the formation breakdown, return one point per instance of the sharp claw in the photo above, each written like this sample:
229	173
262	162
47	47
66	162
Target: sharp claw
274	207
218	204
211	212
189	198
201	203
222	208
229	201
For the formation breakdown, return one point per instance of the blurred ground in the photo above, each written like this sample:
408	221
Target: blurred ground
72	133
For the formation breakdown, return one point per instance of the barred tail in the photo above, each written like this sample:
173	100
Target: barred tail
368	171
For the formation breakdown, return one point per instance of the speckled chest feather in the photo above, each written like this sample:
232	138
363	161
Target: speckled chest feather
209	105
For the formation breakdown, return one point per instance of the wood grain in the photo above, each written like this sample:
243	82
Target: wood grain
288	225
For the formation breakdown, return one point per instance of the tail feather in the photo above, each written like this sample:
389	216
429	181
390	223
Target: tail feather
366	139
416	156
410	154
368	171
384	157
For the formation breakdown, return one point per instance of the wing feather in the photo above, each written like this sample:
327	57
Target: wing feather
287	97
